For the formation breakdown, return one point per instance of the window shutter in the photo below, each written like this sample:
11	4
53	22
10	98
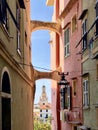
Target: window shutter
18	16
0	10
96	7
69	97
84	29
66	42
3	11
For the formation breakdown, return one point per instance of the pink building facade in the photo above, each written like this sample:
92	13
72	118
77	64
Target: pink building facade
67	57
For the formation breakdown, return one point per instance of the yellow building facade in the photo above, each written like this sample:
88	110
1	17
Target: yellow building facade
17	75
16	80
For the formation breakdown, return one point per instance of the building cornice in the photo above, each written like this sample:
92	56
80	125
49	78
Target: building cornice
13	63
67	9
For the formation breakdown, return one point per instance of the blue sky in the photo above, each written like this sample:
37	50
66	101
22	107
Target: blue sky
40	44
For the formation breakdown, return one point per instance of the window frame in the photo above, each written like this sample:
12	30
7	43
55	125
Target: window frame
41	115
96	9
18	16
67	42
84	29
46	116
74	86
86	99
4	14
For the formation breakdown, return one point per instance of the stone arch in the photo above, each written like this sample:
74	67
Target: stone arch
47	75
52	26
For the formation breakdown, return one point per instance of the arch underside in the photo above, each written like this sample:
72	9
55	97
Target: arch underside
52	26
49	75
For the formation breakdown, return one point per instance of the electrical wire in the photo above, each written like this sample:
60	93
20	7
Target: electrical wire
85	70
34	66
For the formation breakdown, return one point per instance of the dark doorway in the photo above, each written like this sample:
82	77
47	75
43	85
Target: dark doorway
6	102
6	114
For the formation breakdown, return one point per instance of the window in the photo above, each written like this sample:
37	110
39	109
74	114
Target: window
66	42
90	45
74	87
25	38
40	115
40	110
85	92
84	29
3	13
46	116
96	8
6	102
97	72
18	31
46	110
97	117
66	98
75	128
74	23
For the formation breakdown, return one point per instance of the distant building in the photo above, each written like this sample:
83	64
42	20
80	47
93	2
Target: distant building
42	110
36	112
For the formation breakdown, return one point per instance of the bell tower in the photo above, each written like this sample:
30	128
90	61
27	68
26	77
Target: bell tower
43	98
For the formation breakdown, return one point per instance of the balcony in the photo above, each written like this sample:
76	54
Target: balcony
71	117
74	117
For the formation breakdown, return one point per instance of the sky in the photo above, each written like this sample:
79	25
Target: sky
40	45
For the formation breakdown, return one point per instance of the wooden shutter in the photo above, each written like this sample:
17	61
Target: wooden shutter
96	7
84	29
69	97
3	11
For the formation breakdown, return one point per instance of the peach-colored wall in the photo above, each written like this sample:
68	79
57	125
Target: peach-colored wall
71	64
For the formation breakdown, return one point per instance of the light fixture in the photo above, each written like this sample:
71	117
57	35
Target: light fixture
63	83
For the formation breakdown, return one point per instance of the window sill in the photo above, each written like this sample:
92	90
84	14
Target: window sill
84	49
86	107
66	55
19	52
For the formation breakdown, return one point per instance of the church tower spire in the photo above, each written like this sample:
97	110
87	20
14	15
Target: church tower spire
43	98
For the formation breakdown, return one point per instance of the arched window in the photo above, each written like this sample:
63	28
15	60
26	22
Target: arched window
6	83
6	102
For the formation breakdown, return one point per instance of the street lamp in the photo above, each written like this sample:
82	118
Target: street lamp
63	83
